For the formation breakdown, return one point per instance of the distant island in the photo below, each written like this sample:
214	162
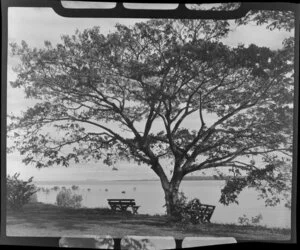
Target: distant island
204	178
95	181
83	182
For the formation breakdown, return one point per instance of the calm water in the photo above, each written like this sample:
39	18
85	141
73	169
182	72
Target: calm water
149	195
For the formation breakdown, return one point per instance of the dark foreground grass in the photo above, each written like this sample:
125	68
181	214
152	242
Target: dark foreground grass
45	220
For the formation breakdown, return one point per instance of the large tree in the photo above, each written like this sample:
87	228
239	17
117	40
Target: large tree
150	80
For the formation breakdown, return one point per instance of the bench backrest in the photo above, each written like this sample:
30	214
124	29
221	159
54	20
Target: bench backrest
121	201
209	206
206	211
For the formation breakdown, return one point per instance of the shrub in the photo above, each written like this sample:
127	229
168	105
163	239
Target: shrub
187	211
256	219
33	198
179	206
192	211
74	187
19	192
245	221
65	198
55	188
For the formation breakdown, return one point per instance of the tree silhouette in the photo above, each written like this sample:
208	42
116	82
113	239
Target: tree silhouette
149	80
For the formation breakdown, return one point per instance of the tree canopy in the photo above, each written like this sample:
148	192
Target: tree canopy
148	80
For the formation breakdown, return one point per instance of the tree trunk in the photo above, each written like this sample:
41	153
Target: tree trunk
170	187
171	196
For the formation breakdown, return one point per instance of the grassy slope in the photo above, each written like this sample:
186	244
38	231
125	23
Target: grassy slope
51	221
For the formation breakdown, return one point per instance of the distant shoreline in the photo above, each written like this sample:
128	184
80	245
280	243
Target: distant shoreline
94	182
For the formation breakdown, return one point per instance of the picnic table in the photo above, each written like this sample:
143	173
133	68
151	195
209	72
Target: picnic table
123	204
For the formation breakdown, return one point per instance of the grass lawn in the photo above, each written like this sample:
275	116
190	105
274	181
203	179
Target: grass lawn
45	220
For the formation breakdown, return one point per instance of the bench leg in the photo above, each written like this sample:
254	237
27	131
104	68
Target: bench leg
205	219
124	208
114	208
135	209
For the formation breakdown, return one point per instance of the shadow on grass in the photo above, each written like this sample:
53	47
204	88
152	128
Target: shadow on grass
41	215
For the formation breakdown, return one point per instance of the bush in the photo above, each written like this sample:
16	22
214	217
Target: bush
65	198
33	198
255	220
187	211
55	188
192	211
245	221
74	187
19	192
179	206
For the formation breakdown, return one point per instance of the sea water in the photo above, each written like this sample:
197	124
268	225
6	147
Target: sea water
149	196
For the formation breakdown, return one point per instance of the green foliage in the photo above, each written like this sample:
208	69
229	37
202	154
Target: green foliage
272	19
232	189
33	198
65	198
192	211
244	220
256	219
19	192
55	188
179	206
273	183
185	211
74	187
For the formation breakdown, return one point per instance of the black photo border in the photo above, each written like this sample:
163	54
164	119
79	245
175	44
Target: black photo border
121	12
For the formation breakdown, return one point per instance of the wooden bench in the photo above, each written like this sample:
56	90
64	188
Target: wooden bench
204	213
122	205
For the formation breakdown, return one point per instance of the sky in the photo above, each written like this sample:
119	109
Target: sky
35	25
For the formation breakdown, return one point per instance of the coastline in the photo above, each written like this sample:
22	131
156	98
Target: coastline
95	181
